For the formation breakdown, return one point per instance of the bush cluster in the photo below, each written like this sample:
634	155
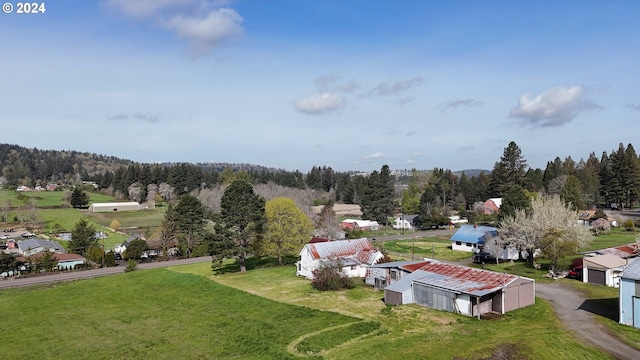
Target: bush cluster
329	276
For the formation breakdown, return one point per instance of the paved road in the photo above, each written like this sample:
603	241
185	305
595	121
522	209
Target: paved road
572	309
88	274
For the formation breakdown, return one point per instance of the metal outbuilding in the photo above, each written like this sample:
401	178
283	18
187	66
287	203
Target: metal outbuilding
115	206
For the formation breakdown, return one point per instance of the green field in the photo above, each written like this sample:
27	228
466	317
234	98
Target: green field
430	247
615	237
46	198
262	314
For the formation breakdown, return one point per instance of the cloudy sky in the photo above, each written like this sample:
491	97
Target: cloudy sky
348	84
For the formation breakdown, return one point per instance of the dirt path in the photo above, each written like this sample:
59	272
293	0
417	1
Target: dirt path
572	310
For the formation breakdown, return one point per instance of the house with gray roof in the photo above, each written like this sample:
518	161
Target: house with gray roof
33	246
630	295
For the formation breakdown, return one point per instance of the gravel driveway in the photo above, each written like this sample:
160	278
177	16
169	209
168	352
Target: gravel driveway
569	306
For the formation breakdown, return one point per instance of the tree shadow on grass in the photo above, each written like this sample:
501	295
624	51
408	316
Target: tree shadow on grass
255	263
603	307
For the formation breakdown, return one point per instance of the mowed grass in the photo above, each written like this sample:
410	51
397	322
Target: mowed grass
47	198
156	314
430	247
615	237
412	331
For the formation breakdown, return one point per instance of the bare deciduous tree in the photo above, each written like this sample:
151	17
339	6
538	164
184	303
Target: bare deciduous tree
135	192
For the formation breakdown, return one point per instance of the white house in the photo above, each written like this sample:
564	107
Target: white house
354	257
404	222
471	238
115	206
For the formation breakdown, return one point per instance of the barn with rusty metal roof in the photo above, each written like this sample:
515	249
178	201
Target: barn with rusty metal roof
461	289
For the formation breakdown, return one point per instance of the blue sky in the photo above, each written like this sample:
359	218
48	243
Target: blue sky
348	84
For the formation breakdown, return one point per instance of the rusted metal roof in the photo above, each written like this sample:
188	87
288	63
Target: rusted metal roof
622	251
463	279
359	249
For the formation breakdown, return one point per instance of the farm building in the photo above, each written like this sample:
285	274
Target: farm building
471	237
461	289
115	206
354	256
364	225
492	206
603	269
630	295
381	275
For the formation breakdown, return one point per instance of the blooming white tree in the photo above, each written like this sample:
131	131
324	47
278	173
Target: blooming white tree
549	226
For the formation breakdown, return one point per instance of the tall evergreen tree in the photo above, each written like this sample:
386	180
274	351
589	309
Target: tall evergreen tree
510	170
377	201
83	236
572	194
189	218
241	223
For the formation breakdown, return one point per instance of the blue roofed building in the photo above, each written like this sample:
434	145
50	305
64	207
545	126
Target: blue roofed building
471	238
630	295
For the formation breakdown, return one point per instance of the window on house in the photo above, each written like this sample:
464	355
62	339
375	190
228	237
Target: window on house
459	243
468	245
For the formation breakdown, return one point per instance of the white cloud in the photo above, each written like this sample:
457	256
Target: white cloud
205	33
146	8
553	107
205	24
319	103
455	104
375	155
145	117
388	89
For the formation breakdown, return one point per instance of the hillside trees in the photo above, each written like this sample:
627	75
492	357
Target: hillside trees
240	224
549	225
377	201
287	230
83	235
327	222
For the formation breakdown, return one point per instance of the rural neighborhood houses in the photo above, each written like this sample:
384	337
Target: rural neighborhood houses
362	225
354	256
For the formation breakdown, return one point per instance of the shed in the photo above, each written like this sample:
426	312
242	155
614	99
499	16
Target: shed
471	237
115	206
603	269
381	275
630	295
462	289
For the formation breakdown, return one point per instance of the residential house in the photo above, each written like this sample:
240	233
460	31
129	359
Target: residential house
630	295
65	261
354	257
585	217
405	222
120	249
461	289
33	246
492	206
472	238
363	225
603	269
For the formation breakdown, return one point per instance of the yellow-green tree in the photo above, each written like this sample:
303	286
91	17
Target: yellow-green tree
115	225
288	228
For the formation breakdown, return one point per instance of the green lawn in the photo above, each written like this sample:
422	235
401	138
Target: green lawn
46	198
615	237
431	247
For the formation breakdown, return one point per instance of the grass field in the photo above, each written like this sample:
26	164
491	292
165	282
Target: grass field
615	237
46	198
429	247
262	314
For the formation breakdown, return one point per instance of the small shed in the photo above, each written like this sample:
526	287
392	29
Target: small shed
462	289
471	237
603	269
115	206
630	295
381	275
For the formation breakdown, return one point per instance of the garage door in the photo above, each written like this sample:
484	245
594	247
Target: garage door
596	277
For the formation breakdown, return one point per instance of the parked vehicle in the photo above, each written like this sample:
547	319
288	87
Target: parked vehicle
5	237
575	273
483	258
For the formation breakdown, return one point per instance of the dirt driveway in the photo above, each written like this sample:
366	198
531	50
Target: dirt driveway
577	315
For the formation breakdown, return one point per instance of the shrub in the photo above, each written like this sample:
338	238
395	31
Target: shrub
329	276
131	265
628	225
